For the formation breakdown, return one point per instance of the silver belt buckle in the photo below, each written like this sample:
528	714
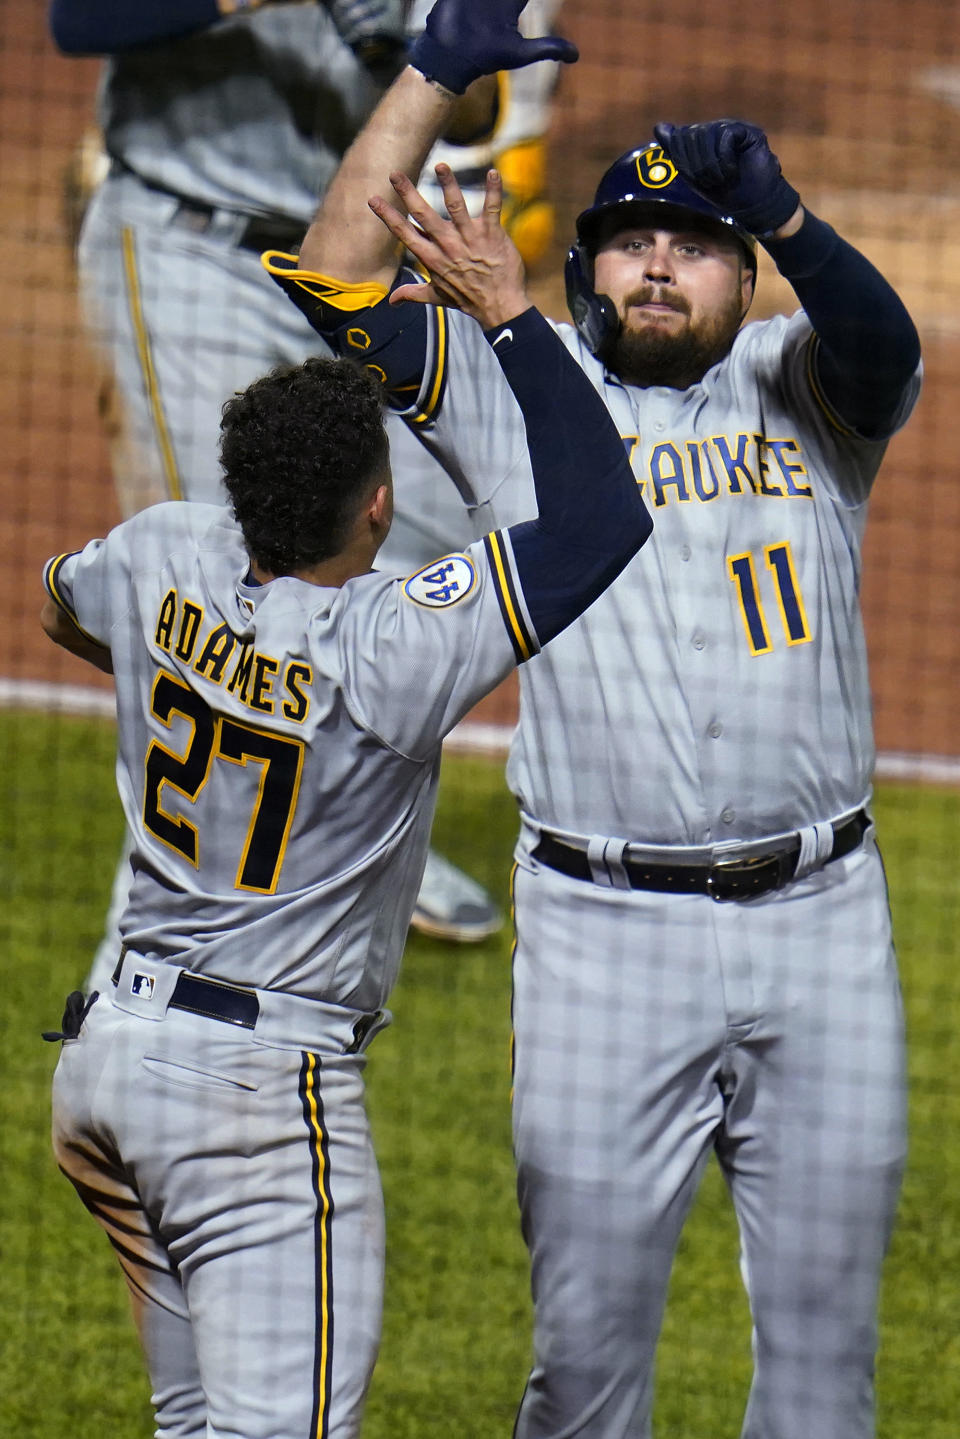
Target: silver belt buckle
722	869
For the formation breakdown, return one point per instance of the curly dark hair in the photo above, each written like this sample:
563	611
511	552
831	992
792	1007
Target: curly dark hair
301	449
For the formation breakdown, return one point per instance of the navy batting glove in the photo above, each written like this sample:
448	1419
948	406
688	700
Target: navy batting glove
730	164
464	39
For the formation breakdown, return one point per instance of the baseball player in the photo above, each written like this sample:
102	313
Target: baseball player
278	772
703	948
223	123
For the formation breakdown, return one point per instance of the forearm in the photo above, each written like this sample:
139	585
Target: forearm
869	346
346	240
475	114
105	27
61	629
591	517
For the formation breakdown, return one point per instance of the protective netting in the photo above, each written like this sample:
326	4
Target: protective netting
107	406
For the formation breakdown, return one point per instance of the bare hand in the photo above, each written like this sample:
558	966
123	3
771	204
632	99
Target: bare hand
473	264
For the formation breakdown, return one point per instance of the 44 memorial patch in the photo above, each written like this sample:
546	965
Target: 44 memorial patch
442	582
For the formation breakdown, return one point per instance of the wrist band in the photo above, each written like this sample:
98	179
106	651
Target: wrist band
436	63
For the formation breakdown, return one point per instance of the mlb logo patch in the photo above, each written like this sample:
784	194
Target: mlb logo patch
442	583
142	985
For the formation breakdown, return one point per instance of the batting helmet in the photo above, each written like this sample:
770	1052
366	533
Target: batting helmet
643	183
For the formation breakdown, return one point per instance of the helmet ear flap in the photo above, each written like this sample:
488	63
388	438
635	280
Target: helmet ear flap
595	316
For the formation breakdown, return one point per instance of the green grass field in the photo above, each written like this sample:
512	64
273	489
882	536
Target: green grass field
456	1339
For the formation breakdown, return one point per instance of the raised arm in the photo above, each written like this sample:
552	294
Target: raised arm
346	241
869	348
591	519
463	41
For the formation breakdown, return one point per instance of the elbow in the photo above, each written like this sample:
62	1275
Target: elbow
632	535
915	352
627	534
622	523
904	348
49	620
67	30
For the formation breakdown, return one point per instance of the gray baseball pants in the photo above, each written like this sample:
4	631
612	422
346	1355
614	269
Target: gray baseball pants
653	1029
235	1178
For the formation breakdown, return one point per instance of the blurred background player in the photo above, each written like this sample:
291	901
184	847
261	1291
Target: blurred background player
222	124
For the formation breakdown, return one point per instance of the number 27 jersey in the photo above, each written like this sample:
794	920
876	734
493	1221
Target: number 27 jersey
278	745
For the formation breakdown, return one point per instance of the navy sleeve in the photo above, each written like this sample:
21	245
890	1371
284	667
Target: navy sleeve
390	340
105	27
592	519
868	344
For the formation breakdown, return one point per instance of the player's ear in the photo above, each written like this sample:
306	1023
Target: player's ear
380	508
747	286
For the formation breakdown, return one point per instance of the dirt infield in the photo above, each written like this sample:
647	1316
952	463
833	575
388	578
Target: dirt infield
863	121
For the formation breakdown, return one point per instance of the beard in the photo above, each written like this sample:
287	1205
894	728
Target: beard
648	354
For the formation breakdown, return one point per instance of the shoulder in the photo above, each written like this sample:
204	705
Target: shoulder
570	336
184	517
594	369
773	334
213	526
376	604
155	534
354	612
768	351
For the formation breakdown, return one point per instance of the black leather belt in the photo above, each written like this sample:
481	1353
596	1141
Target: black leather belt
261	232
210	998
726	879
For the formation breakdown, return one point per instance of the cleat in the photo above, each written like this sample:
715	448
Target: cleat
453	906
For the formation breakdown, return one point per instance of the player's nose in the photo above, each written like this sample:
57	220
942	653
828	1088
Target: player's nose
659	264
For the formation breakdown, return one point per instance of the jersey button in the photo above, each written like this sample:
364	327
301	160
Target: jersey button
685	552
699	642
659	426
728	816
716	730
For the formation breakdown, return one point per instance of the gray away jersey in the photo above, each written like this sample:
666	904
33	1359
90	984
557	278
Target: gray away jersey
253	114
278	745
718	690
